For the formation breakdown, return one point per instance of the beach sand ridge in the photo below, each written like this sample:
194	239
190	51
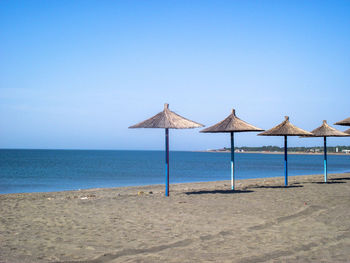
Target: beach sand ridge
199	222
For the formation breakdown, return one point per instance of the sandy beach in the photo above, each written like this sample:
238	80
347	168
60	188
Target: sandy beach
199	222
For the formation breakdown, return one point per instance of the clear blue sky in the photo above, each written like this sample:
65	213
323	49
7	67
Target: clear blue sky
76	74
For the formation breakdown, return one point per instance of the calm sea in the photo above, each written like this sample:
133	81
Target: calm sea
57	170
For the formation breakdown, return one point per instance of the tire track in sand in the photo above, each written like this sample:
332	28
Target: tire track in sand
132	251
277	254
303	213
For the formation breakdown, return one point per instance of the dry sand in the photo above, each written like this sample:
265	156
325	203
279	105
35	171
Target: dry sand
199	222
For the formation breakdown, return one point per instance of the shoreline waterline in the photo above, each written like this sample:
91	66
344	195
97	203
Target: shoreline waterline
176	186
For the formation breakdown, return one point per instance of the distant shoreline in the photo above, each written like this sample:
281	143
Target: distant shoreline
296	153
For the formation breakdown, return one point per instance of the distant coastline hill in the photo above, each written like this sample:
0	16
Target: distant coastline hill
272	149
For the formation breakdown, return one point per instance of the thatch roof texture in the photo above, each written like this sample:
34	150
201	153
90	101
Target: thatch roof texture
327	131
347	131
285	129
167	120
232	124
345	122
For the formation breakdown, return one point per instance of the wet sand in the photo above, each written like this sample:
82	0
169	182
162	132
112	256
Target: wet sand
200	222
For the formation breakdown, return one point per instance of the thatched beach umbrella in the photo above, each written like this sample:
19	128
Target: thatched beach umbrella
167	120
231	125
345	122
326	131
285	129
347	131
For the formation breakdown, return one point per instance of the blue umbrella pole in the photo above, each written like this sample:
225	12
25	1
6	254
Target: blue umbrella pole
285	162
325	159
166	162
232	161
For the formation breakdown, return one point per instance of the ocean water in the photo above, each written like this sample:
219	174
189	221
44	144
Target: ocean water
57	170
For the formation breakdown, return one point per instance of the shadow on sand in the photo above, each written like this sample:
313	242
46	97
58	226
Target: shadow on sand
277	186
329	182
219	192
338	179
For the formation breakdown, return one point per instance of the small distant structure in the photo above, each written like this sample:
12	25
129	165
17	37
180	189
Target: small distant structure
346	151
336	149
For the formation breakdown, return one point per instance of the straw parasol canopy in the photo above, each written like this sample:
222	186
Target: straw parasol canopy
167	120
345	122
347	131
326	131
285	129
232	124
